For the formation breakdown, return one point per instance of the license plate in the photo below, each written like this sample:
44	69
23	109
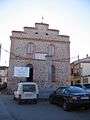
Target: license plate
84	98
27	95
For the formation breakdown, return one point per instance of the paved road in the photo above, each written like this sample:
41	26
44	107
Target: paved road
10	110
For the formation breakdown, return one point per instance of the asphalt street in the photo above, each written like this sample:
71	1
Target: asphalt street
10	110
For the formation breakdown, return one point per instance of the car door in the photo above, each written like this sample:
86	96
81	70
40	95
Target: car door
16	91
66	94
59	95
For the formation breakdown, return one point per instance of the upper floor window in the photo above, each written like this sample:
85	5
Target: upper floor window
51	50
30	48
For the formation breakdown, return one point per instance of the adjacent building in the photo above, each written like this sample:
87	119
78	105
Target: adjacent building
3	74
80	71
0	52
39	54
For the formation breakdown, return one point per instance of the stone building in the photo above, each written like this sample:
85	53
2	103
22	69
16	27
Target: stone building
45	52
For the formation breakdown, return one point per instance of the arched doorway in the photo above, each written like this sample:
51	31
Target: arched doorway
30	78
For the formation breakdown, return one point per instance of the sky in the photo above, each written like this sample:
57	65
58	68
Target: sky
70	17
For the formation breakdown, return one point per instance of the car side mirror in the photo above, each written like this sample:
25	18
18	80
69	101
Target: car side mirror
54	92
15	89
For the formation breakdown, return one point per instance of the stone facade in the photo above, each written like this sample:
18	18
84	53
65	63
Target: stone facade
40	37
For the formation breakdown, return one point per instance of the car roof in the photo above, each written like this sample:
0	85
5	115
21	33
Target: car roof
27	83
73	87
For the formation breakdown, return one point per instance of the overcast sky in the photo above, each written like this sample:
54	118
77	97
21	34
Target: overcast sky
70	17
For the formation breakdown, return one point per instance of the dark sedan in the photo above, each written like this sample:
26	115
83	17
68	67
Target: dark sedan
69	97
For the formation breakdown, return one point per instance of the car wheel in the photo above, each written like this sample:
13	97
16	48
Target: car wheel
51	100
65	106
19	100
14	97
35	101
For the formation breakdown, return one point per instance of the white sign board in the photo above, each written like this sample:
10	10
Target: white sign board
40	56
21	71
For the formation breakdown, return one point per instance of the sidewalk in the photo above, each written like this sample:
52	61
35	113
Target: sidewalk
4	114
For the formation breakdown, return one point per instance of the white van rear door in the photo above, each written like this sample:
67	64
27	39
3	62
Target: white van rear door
29	91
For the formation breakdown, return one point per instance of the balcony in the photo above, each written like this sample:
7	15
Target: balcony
76	74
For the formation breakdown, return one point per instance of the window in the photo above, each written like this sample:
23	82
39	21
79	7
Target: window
66	91
36	33
85	80
60	90
29	88
77	90
71	71
0	79
30	48
46	33
51	50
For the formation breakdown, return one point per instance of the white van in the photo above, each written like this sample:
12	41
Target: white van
26	91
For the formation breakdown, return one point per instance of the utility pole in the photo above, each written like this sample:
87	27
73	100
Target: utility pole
79	68
42	20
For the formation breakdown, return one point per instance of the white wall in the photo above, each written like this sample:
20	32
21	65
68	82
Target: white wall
85	69
0	52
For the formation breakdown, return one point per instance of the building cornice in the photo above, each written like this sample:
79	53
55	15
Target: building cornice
26	58
39	39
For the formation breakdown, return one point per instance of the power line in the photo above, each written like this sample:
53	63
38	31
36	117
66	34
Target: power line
8	52
22	57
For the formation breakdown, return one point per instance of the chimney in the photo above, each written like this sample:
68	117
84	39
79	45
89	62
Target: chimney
86	55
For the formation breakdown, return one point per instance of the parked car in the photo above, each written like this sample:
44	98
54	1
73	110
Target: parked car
26	91
85	86
3	86
69	97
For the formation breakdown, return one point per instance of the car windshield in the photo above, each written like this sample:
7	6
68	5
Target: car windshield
87	86
77	90
29	88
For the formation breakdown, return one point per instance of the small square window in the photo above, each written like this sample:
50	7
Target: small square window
36	33
46	33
